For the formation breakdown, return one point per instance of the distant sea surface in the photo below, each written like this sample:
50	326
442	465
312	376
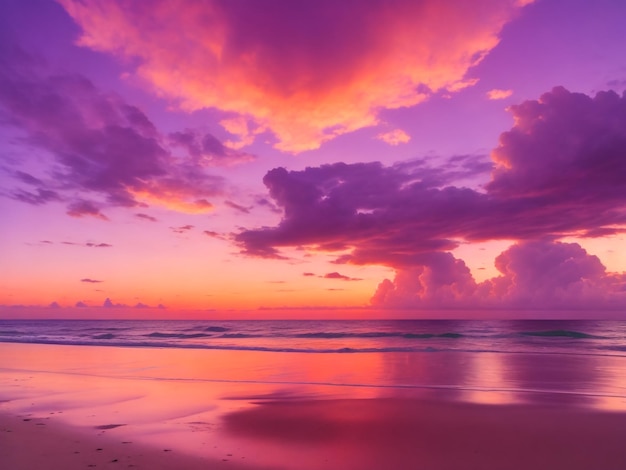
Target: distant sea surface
331	336
555	362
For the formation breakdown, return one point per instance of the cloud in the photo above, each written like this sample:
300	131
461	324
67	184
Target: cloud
83	208
96	144
90	281
394	137
182	229
336	275
558	172
39	197
81	304
237	207
307	71
439	281
497	94
88	244
98	245
533	275
54	305
146	217
207	150
212	234
109	304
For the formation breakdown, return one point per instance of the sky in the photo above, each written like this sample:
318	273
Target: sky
247	159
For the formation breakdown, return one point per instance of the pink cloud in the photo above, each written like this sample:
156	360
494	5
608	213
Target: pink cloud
91	281
394	137
307	71
534	275
497	94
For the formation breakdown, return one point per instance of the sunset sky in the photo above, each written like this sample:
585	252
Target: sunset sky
173	158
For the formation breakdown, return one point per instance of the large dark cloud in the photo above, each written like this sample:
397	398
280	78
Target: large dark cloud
98	143
560	171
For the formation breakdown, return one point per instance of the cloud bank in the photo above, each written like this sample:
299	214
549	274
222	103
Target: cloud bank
307	71
558	172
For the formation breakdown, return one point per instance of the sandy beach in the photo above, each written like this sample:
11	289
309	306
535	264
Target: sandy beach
75	407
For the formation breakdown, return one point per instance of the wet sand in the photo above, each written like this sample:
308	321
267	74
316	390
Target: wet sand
75	407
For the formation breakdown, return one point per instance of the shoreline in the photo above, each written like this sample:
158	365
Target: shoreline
367	434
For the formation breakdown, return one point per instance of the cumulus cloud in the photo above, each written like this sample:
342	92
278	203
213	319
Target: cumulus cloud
533	275
308	70
97	144
558	172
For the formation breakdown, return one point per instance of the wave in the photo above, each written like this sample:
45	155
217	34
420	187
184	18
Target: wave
216	329
163	344
560	333
157	334
104	336
10	333
340	335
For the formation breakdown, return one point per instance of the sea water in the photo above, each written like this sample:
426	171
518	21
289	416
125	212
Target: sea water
546	361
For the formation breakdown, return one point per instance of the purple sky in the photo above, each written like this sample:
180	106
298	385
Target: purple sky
188	158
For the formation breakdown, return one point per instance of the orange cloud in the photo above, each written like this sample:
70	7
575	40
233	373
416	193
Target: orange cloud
308	71
394	137
497	94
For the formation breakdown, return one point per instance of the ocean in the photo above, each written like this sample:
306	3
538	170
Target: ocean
520	361
332	336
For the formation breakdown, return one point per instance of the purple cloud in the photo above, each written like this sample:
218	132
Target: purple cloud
81	304
182	229
90	281
571	183
100	144
213	234
558	172
206	150
84	208
336	275
146	217
237	207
